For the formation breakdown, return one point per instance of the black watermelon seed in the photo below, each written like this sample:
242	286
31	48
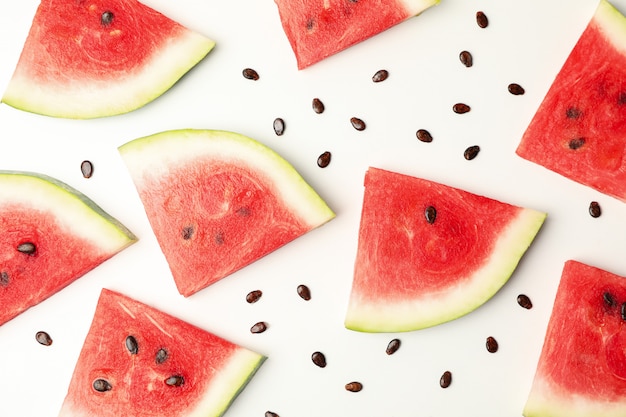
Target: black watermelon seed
357	123
608	299
445	380
491	344
572	113
43	338
481	19
516	89
259	327
106	18
4	279
466	58
623	311
188	232
424	135
354	386
271	414
621	100
175	381
393	346
161	356
279	126
380	75
27	248
471	152
254	296
304	292
324	159
250	74
86	168
524	301
318	106
131	344
594	209
431	214
576	143
319	359
310	24
461	108
102	385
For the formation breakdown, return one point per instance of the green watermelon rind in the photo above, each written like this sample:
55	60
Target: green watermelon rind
435	309
149	155
71	207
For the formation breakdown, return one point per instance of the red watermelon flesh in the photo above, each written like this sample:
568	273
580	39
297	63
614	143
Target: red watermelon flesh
429	253
579	130
50	235
85	59
318	29
582	367
138	361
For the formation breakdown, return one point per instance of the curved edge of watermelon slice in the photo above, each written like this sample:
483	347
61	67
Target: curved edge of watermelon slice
434	309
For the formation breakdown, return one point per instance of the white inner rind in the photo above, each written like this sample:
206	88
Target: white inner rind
415	7
90	98
152	157
434	308
612	23
73	210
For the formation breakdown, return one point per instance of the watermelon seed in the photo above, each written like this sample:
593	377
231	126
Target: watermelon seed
622	98
357	123
481	19
471	152
516	89
380	75
572	113
271	414
424	135
431	214
492	344
28	248
319	359
461	108
310	24
188	232
43	338
445	380
324	160
576	143
393	346
318	106
304	292
623	311
259	327
254	296
101	385
243	211
466	58
594	209
86	168
279	126
250	74
161	356
175	381
219	238
354	386
106	18
131	345
4	279
608	299
524	301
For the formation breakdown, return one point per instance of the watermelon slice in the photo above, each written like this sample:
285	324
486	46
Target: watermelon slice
218	201
429	253
50	235
87	59
579	130
317	29
582	367
138	362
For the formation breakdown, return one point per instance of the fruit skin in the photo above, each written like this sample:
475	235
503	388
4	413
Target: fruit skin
218	201
213	370
412	272
74	66
582	367
317	30
579	130
72	235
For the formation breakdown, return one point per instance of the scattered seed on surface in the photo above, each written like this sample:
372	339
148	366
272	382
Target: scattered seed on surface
102	385
27	248
594	209
43	338
175	381
254	296
271	414
481	19
354	386
318	106
188	232
431	214
424	135
466	58
161	356
131	344
572	113
250	74
524	301
380	75
471	152
319	359
608	299
4	279
491	344
259	327
461	108
279	126
106	18
445	380
324	160
304	292
86	168
516	89
357	123
576	143
393	346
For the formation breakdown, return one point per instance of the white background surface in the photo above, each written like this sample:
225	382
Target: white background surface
526	42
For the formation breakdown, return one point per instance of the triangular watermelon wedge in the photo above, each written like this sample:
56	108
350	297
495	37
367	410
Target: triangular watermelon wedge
429	253
579	130
317	29
138	361
50	235
87	59
218	201
582	367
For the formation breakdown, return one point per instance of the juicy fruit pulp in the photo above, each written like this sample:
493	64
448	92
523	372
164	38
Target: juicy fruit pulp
429	253
86	59
582	367
50	235
218	201
579	130
137	361
317	29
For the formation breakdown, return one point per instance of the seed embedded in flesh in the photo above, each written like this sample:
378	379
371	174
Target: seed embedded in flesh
424	135
392	346
319	359
524	301
324	159
27	248
4	279
481	19
106	18
354	386
573	113
219	238
254	296
304	292
86	168
431	214
161	356
491	344
318	106
623	311
357	123
131	344
594	209
516	89
461	108
175	381
43	338
380	75
608	299
445	380
250	74
576	143
279	126
188	232
259	327
471	152
102	385
466	58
